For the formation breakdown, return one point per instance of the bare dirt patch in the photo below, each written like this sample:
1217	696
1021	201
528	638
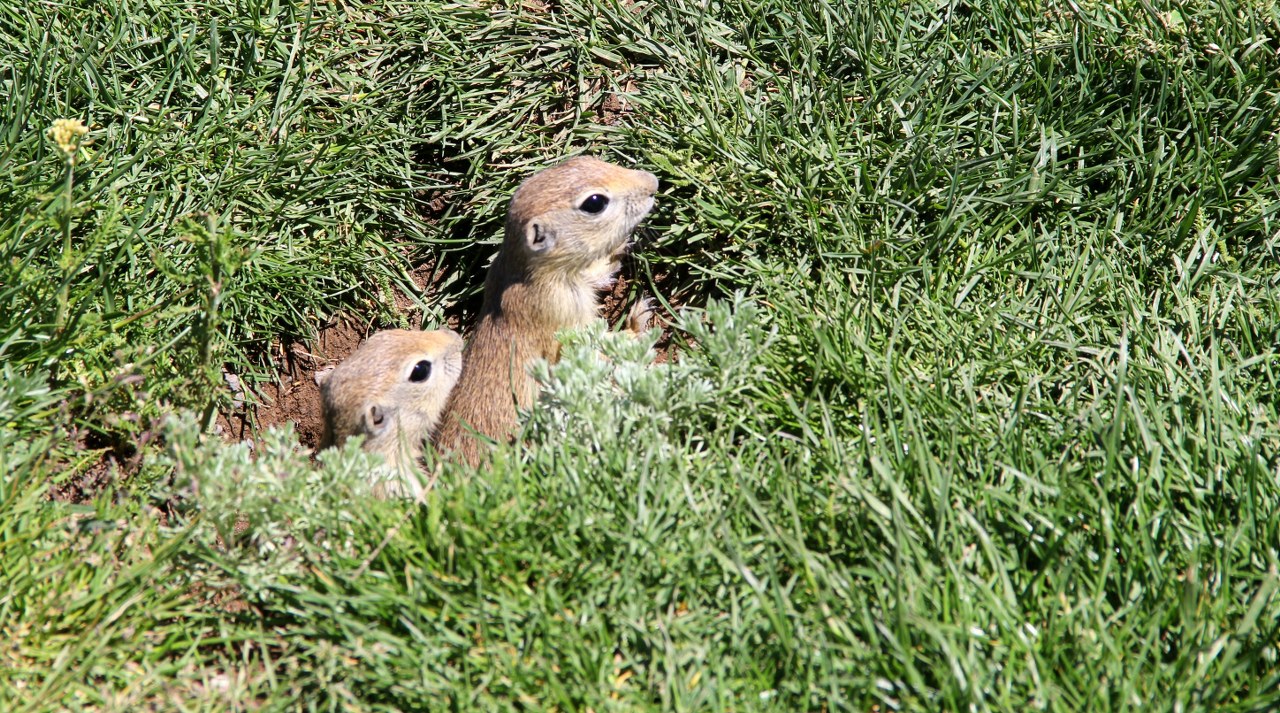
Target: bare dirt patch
615	105
294	396
629	288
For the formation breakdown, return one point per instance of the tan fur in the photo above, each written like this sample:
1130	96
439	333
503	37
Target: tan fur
371	394
554	259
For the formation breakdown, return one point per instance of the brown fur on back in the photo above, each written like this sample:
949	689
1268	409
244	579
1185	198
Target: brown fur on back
499	350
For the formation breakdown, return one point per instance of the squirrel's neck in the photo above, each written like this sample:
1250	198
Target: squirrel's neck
538	304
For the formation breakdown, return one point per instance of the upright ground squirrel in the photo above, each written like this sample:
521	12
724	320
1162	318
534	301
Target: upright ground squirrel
567	228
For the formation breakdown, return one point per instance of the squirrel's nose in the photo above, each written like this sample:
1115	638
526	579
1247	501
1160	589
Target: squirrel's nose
651	181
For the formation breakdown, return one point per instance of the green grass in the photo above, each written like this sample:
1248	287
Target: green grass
981	412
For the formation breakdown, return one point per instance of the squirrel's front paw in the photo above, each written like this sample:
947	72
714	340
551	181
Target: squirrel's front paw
641	315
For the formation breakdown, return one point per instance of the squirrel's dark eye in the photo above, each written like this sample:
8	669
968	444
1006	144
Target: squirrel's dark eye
595	203
420	372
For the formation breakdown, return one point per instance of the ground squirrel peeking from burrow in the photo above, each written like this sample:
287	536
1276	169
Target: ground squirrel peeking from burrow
567	229
391	390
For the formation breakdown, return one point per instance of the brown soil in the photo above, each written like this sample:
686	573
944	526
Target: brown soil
294	396
229	599
615	106
629	288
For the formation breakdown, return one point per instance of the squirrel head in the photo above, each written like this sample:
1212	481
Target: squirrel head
565	221
392	390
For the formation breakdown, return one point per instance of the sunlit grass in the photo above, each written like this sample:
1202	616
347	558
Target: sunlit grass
982	413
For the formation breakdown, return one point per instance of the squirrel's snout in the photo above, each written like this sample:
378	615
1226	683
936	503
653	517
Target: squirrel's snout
651	183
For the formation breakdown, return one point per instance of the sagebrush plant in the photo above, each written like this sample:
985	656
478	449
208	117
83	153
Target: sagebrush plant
609	392
611	435
265	507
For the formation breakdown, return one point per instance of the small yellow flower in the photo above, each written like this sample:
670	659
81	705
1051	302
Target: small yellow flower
67	134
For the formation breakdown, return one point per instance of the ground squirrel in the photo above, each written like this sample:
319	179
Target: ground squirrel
567	228
392	391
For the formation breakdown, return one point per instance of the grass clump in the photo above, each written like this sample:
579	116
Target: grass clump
976	407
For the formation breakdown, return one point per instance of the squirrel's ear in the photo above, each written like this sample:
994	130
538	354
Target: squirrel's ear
322	376
539	238
377	418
